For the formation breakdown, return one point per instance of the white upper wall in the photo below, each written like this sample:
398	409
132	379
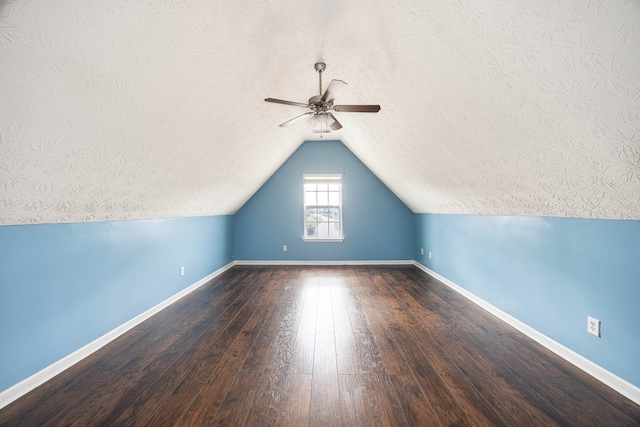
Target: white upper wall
117	109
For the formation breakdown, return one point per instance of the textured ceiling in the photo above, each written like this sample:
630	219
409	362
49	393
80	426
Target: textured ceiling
118	109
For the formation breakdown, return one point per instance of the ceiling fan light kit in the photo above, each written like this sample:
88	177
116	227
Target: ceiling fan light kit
321	105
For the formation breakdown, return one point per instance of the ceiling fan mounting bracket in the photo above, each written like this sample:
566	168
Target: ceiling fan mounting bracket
320	66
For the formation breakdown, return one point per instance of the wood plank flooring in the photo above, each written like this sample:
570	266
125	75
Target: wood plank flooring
295	346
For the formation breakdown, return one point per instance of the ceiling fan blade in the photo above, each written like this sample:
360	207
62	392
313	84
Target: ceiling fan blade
336	124
282	101
296	119
357	108
334	89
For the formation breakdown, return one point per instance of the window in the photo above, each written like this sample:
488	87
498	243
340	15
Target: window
322	207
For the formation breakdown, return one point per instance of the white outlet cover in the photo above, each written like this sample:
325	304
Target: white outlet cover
593	326
284	248
429	254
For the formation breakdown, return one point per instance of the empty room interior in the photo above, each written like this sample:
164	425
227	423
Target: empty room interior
320	213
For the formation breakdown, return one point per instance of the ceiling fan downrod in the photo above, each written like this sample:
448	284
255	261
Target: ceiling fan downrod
320	67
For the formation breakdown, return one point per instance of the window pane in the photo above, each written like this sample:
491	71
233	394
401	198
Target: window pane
323	187
310	198
334	187
332	214
310	230
334	229
323	198
334	198
310	223
323	229
311	215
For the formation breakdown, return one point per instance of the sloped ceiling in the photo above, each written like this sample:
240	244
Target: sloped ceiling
140	109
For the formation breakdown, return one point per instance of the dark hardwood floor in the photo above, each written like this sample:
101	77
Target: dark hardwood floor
332	346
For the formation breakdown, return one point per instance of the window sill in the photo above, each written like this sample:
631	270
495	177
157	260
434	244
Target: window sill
321	239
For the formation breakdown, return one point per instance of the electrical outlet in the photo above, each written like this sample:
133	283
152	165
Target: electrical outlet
421	251
593	326
284	248
429	254
182	271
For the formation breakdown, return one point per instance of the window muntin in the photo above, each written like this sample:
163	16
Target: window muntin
322	207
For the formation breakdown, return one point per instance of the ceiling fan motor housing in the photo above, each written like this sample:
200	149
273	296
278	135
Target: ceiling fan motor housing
315	101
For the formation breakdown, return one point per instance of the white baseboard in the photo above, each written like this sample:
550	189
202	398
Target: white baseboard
378	262
618	384
23	387
621	386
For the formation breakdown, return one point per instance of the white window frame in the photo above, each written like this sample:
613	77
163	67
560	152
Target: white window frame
321	178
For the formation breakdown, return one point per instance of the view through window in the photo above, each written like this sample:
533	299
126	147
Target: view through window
322	207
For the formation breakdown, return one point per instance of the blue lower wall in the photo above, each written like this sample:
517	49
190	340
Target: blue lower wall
550	273
64	285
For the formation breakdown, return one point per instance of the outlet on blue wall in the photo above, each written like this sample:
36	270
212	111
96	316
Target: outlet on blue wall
377	225
549	273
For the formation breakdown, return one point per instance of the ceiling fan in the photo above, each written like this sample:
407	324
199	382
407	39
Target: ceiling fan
321	105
